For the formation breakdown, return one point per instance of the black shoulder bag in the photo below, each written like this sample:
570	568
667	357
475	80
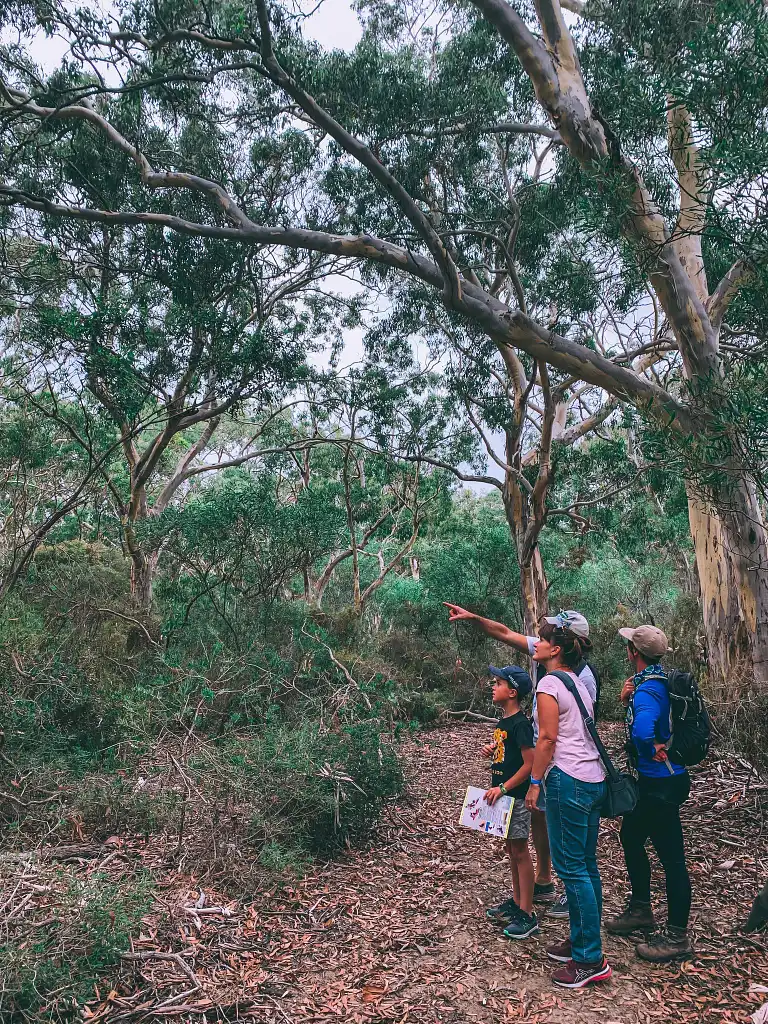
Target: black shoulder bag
621	788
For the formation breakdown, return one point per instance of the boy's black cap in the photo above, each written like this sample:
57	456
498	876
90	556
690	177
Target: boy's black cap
517	678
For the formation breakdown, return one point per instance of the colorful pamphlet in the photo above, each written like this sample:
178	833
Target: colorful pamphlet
482	817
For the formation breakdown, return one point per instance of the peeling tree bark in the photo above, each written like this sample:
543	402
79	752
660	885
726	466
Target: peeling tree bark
525	505
727	526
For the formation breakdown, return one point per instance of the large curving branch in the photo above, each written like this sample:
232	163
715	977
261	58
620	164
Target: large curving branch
553	67
507	327
17	103
364	156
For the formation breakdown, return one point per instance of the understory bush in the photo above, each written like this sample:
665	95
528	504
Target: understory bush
240	727
49	969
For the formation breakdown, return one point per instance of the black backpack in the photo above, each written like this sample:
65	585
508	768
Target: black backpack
688	719
588	664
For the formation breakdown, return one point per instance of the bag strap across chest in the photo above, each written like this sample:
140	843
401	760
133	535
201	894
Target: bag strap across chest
589	722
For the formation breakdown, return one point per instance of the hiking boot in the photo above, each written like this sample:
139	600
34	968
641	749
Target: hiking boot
504	912
560	951
523	926
560	908
544	892
666	945
634	918
573	975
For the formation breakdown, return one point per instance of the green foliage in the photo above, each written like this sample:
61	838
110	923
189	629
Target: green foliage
328	786
49	972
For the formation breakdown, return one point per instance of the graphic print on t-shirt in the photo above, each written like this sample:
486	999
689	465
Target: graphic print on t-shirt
499	736
513	734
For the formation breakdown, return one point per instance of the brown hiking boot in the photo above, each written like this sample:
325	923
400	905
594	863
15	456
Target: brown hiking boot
666	945
635	917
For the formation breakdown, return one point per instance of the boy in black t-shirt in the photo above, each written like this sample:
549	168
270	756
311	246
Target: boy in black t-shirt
511	753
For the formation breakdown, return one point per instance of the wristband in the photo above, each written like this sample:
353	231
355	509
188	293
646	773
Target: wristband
535	782
502	789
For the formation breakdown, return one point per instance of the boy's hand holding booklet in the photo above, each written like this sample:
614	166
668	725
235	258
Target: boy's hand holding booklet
481	816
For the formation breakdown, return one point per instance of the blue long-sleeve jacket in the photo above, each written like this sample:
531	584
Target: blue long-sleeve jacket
648	723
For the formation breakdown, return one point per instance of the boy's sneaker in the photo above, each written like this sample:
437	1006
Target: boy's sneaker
544	892
560	908
634	918
504	912
522	926
666	945
560	951
573	975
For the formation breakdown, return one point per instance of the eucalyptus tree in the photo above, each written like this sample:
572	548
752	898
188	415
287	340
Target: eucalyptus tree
499	428
656	116
345	441
164	340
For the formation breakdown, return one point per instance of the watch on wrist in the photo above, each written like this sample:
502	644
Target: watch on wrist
503	789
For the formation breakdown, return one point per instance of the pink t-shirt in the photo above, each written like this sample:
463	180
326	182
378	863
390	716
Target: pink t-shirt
575	752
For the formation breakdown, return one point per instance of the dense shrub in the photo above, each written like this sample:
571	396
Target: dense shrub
247	720
47	972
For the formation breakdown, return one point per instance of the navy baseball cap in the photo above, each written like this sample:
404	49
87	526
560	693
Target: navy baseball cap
517	678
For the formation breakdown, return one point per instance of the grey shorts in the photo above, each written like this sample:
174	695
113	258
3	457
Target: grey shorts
520	825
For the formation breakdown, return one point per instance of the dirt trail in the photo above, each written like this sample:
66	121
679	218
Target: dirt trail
397	934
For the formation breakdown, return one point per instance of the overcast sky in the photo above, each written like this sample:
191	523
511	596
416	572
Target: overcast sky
334	25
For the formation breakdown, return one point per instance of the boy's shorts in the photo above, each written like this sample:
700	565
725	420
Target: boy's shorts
520	825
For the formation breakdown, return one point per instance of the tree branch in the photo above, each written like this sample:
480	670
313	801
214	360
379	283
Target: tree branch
504	466
692	180
503	128
568	509
557	80
179	474
18	103
727	290
507	327
363	154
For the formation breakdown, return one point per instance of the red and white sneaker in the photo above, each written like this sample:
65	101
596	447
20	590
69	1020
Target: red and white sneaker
573	975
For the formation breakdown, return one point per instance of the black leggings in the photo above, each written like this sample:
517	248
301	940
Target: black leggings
657	817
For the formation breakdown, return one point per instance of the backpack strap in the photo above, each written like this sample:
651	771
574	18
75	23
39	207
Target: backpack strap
661	679
589	722
630	745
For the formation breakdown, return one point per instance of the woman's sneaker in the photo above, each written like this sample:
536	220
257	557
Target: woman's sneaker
666	945
560	951
544	892
504	912
560	908
522	927
573	975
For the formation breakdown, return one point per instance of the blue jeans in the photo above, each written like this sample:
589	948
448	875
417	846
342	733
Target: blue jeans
573	821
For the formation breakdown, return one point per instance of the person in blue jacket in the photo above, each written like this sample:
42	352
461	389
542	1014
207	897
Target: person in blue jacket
662	787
